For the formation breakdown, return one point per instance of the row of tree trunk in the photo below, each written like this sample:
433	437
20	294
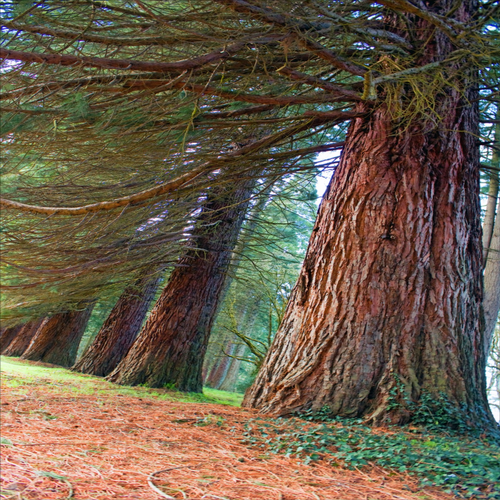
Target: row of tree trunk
389	302
170	349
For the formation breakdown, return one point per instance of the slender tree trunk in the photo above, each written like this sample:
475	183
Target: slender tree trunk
219	369
492	284
171	347
228	383
215	373
491	245
388	304
23	339
58	337
8	335
491	204
120	329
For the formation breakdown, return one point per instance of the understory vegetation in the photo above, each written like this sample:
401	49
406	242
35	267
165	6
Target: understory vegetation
466	466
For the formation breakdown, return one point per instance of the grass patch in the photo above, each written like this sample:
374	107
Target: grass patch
465	467
20	374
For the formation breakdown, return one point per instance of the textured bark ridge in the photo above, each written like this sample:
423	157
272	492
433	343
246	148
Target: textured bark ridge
121	327
7	336
171	346
58	337
23	338
387	306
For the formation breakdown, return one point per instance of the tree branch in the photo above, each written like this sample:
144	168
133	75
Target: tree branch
178	183
123	64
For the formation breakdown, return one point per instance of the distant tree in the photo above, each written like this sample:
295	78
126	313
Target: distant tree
23	339
8	335
121	327
269	255
58	337
491	240
171	347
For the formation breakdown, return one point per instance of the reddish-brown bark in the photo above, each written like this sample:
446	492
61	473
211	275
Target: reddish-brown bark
121	327
8	335
23	339
388	304
58	337
171	347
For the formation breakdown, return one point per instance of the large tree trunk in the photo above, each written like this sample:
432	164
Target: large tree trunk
121	327
58	337
23	339
388	304
8	335
171	347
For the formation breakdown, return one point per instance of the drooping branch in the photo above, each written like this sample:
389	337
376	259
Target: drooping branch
183	180
123	64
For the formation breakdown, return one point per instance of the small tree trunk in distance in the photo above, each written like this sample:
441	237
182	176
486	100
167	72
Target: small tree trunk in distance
57	339
492	284
8	335
491	204
23	339
219	369
171	347
215	373
491	245
388	304
121	327
228	383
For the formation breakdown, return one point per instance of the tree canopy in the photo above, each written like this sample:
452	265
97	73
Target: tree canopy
119	116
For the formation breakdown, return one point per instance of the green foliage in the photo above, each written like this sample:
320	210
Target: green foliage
270	253
437	412
468	468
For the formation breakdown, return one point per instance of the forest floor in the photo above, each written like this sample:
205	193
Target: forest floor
67	435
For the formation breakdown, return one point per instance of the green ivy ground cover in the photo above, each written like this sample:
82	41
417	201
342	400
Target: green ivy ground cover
464	466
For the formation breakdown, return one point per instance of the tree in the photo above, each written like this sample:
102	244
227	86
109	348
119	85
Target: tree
171	347
121	327
387	307
267	261
8	335
23	339
164	126
57	339
491	242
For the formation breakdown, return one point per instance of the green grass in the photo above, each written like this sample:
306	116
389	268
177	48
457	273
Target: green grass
20	375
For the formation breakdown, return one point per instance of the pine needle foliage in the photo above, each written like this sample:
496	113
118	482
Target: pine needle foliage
117	117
